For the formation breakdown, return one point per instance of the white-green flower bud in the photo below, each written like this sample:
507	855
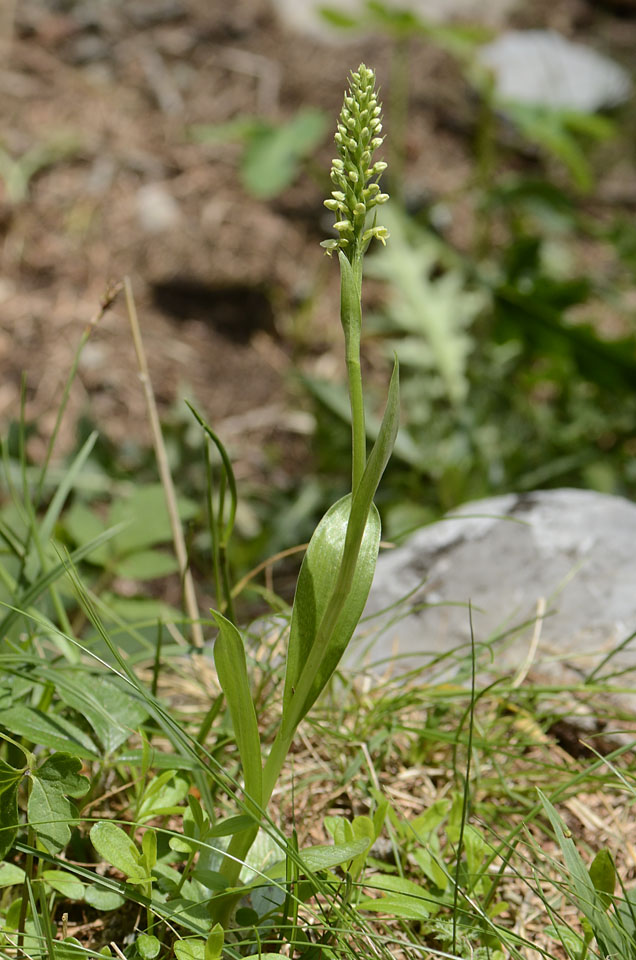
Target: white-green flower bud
360	210
382	198
343	226
332	205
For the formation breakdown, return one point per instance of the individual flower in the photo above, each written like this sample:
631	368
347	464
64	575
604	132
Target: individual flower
353	172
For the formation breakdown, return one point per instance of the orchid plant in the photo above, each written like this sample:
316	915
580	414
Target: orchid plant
338	568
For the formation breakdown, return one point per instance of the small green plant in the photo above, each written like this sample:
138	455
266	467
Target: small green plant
273	154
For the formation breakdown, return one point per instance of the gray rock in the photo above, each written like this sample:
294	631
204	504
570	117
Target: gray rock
543	68
570	552
303	16
157	210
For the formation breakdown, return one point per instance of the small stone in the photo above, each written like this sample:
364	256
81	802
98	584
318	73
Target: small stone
543	68
157	210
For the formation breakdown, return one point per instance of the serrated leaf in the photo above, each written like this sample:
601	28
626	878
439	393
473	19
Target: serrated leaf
229	658
65	883
9	782
50	812
116	847
48	730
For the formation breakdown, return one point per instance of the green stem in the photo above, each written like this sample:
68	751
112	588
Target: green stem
351	325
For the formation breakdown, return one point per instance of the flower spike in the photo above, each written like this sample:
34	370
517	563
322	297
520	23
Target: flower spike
353	172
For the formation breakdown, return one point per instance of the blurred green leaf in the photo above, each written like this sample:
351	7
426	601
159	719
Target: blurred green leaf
146	565
272	157
146	516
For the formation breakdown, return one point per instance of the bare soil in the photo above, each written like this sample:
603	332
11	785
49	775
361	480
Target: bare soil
230	290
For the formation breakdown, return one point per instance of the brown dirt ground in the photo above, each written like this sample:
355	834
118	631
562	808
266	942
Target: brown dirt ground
125	81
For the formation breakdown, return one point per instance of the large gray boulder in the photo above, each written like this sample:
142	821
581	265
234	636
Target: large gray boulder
550	576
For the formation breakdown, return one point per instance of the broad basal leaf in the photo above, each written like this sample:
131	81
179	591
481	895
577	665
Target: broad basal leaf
336	577
316	583
48	730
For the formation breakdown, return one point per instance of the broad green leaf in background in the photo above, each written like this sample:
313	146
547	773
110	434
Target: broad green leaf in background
9	782
51	814
558	132
83	525
147	565
358	829
113	713
273	152
66	884
229	658
323	857
102	899
116	847
10	874
147	519
48	730
272	158
401	898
